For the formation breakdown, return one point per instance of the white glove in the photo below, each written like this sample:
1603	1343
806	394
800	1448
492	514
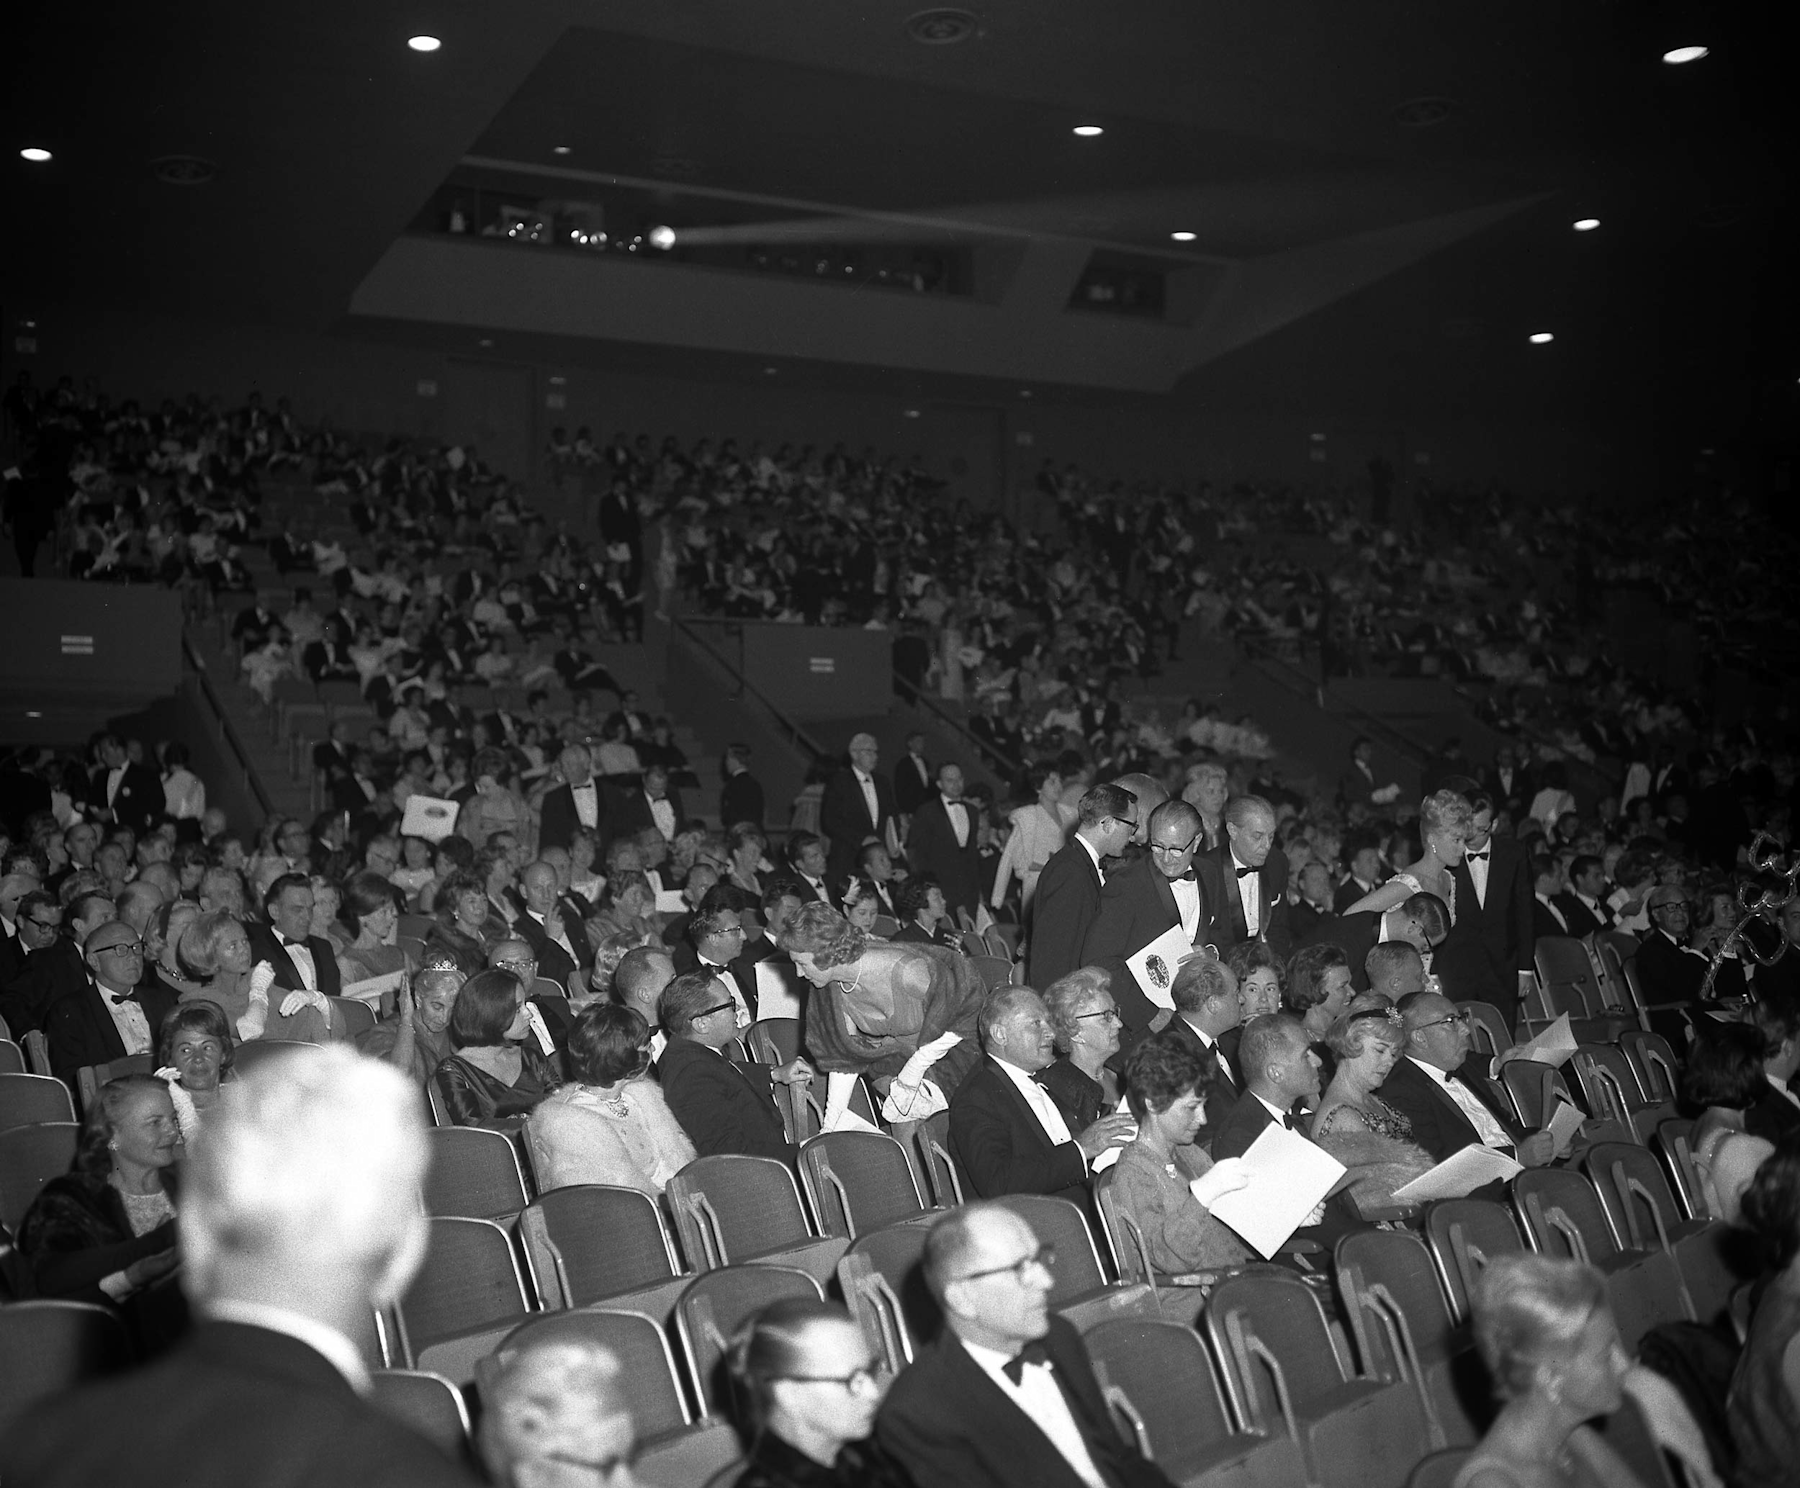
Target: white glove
294	1001
1225	1176
914	1069
262	977
168	1072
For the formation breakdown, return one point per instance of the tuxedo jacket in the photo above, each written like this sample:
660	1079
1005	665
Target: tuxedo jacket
633	814
912	784
558	819
1136	906
741	800
1582	920
553	962
265	947
1348	892
844	816
81	1031
931	848
953	1427
1224	1090
722	1106
46	975
1438	1123
1272	880
1667	973
139	802
1065	905
1352	934
742	968
230	1405
1543	922
1491	943
1002	1147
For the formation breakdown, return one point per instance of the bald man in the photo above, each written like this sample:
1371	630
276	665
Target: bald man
558	947
858	805
112	1015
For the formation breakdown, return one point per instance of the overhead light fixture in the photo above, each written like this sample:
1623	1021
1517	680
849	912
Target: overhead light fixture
423	43
662	237
36	154
909	413
1675	56
1586	224
1184	237
1089	131
485	341
34	712
1541	338
770	371
559	150
558	381
1024	392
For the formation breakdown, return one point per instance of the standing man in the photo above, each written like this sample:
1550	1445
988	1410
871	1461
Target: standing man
1489	952
269	1387
121	792
1362	857
942	841
741	799
1068	891
1005	1396
858	805
575	803
1255	874
912	777
1170	885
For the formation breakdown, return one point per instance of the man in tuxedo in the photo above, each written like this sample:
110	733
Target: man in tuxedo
13	889
876	864
912	777
1395	969
251	626
1314	883
1669	968
655	803
53	967
577	802
559	950
1506	784
1068	890
1547	917
638	983
1781	979
1421	920
806	859
121	792
109	1015
331	755
716	936
1488	954
858	804
1584	907
941	841
303	962
741	799
1006	1132
1168	886
721	1105
1445	1094
1005	1396
299	1215
1357	785
1206	1009
1254	873
1362	854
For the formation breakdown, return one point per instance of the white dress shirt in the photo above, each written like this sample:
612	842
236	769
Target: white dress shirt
303	962
1041	1398
1555	913
1038	1098
1781	1085
730	983
662	812
1211	1046
1478	872
958	812
587	804
870	799
113	777
1249	892
1491	1132
129	1018
1094	853
561	937
1187	904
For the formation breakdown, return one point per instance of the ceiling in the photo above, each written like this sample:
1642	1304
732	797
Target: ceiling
1266	129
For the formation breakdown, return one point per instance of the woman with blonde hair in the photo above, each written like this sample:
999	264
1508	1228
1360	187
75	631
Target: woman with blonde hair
1444	818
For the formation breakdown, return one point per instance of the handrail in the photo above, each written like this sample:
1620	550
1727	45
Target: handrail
1301	685
793	731
1008	768
227	731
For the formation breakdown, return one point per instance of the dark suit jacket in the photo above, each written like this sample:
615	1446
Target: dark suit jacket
1136	906
81	1031
1666	972
1002	1147
912	785
1225	1093
1582	920
741	800
1356	788
553	961
1348	892
1351	934
1065	905
953	1427
45	976
1543	922
231	1405
723	1107
634	815
1438	1123
1277	923
139	803
557	819
1241	1126
1490	944
931	848
265	947
844	816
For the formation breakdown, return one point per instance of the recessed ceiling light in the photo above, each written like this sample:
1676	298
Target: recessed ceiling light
559	150
1089	131
558	381
485	341
1024	392
1675	56
34	713
1542	338
1184	237
910	412
36	154
770	371
423	43
662	237
1586	224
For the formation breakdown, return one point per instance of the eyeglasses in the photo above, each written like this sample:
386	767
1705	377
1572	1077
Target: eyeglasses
1111	1015
130	948
44	924
857	1381
1175	852
517	968
1453	1018
1044	1257
1127	821
717	1007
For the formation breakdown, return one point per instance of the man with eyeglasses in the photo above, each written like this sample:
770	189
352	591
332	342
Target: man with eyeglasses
1068	890
53	966
722	1106
1005	1395
111	1015
1668	966
1449	1100
1421	920
1170	885
13	888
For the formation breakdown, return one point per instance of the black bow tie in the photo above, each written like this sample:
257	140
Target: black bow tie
1245	872
1033	1353
1476	857
115	998
1290	1121
1188	877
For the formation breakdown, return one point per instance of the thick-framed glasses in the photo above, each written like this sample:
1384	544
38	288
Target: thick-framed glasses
1111	1015
1127	821
132	948
1043	1257
49	927
857	1381
717	1007
1176	852
1453	1018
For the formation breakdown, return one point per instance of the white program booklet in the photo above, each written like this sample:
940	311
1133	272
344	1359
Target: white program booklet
372	989
1552	1047
1155	965
428	817
777	996
1459	1175
1289	1178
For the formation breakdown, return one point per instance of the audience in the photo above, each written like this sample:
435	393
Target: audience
497	1072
